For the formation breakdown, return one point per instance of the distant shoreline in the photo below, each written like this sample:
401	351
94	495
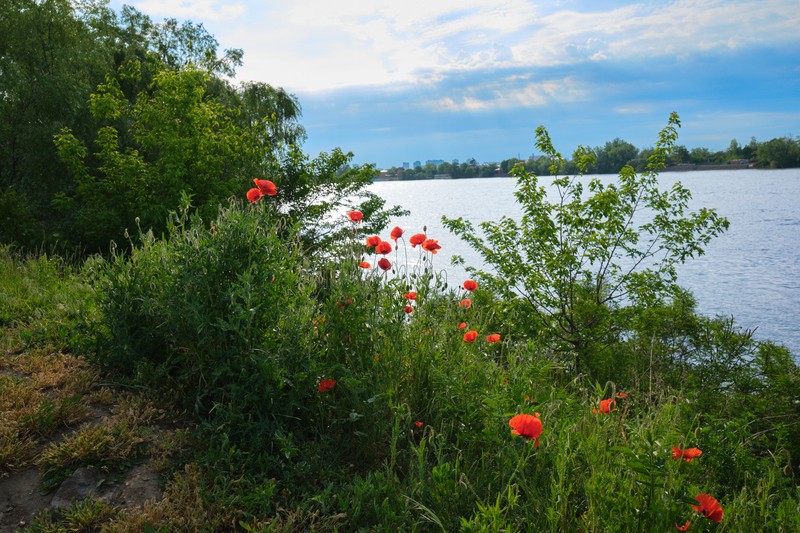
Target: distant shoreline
686	167
683	167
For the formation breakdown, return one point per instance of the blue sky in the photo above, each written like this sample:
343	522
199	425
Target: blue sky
396	81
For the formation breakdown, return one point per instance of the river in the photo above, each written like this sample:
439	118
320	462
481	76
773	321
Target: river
751	272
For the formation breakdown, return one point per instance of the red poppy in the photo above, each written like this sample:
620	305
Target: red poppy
431	245
606	406
364	264
688	455
494	337
384	264
266	187
409	309
528	426
419	424
470	285
355	216
622	395
326	384
396	233
466	303
373	241
383	248
684	527
462	325
709	506
410	295
470	336
254	195
417	238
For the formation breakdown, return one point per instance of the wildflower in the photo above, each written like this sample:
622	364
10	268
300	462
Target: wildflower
408	309
364	264
688	455
606	406
373	241
462	325
396	233
410	295
494	337
431	245
466	303
384	264
417	238
622	395
470	336
254	195
383	248
528	426
470	285
419	424
355	216
266	187
684	527
709	506
326	384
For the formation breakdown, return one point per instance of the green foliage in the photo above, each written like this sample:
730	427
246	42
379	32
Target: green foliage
575	262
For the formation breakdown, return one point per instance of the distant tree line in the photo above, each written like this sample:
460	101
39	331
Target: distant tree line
781	152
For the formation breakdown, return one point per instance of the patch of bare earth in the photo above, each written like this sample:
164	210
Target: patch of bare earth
65	437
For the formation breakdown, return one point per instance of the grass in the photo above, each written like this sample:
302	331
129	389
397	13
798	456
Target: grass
237	328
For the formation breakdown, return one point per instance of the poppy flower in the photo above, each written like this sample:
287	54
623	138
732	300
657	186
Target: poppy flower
254	195
709	506
684	527
528	426
470	285
396	233
622	395
688	455
408	309
417	238
384	264
383	248
431	245
355	216
462	325
494	337
373	241
266	187
364	264
326	384
606	406
419	424
466	303
410	295
470	336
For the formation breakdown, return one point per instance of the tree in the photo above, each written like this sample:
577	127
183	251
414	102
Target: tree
613	156
571	269
782	152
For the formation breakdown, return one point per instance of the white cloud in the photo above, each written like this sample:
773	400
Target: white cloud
502	95
196	10
319	45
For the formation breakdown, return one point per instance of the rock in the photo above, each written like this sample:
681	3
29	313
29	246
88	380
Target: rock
83	483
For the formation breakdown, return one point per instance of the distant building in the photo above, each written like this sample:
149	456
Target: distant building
434	162
417	164
405	165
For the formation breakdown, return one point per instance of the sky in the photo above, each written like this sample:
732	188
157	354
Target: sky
412	80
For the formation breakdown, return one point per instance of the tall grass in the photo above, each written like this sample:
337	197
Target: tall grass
239	323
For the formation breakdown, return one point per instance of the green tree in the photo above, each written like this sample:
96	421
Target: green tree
571	269
613	156
782	152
